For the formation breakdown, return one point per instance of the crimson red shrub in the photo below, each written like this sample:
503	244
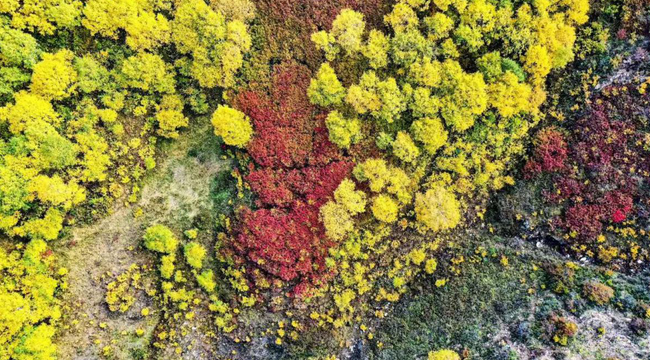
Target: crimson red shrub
550	153
295	170
601	166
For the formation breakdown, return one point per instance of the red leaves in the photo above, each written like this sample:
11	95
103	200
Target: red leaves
585	220
599	167
619	216
283	120
295	171
281	243
550	153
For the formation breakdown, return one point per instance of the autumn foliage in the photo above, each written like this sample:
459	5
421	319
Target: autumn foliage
295	170
599	166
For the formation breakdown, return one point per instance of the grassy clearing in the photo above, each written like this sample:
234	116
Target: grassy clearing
177	193
489	311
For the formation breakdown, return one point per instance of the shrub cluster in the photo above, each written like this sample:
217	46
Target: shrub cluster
598	165
86	90
438	90
433	109
295	170
29	308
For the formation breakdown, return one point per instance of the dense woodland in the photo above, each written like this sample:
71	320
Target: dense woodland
324	179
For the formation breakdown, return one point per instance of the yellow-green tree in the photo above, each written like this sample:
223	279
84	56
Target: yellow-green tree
194	254
458	81
437	209
215	45
232	125
29	309
161	239
146	28
42	16
54	78
444	354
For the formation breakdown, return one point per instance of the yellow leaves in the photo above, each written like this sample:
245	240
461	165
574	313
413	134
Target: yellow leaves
435	86
37	344
375	171
9	6
14	313
232	125
248	301
480	15
417	256
578	10
342	131
380	176
170	116
437	209
352	200
196	26
216	46
347	34
206	281
431	133
344	300
430	266
326	89
439	25
363	97
442	4
404	148
467	96
509	96
194	254
444	354
348	29
417	4
393	101
237	33
424	104
46	228
120	292
145	29
490	65
504	261
402	18
242	10
426	72
607	253
161	239
54	191
327	43
27	111
95	158
43	16
191	233
336	219
167	266
54	78
148	72
538	62
385	208
376	50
